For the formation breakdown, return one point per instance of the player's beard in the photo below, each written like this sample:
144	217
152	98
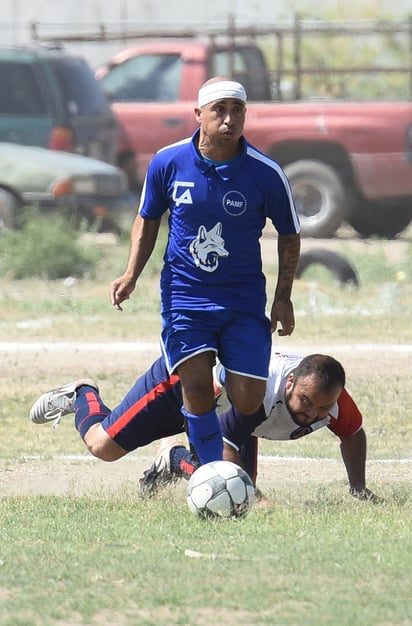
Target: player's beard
298	417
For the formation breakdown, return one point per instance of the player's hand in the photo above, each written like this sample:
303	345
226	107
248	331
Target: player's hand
282	313
120	290
365	495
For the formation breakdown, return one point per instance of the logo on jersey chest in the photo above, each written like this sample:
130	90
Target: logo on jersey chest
181	192
234	203
208	247
301	432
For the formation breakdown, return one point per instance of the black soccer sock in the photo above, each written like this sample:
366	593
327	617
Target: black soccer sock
89	409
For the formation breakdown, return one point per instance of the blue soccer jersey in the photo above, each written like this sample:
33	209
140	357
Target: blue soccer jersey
217	214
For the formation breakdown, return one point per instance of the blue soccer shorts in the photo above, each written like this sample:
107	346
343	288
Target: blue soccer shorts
241	341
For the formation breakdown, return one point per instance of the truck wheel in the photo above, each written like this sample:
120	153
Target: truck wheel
341	269
373	219
8	210
319	197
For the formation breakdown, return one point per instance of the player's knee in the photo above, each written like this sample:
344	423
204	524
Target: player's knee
101	445
198	399
102	453
248	406
248	400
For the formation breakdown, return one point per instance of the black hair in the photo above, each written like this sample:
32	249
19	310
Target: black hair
327	370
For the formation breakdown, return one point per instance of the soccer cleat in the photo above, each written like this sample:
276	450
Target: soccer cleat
159	473
54	404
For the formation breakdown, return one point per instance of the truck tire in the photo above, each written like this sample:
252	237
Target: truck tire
340	267
374	219
319	197
8	210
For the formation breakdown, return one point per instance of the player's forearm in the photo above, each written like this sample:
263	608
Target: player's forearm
353	450
142	241
288	259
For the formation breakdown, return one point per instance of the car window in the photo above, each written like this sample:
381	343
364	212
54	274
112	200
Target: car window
82	91
246	65
145	78
20	93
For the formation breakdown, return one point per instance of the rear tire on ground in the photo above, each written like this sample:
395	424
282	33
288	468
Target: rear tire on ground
319	197
340	267
374	219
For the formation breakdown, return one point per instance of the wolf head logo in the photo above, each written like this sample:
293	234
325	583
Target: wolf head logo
208	247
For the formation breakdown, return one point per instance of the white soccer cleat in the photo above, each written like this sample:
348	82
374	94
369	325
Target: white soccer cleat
159	473
54	404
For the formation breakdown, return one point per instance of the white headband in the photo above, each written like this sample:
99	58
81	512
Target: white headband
219	91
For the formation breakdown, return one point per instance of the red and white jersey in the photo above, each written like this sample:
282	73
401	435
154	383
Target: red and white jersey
344	419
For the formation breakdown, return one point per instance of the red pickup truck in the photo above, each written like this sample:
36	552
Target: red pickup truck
346	161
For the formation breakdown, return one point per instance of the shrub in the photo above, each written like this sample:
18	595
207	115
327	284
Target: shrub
45	247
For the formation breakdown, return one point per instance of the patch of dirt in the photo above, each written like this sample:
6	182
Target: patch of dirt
88	476
393	249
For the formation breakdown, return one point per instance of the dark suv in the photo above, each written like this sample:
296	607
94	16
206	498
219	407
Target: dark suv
51	99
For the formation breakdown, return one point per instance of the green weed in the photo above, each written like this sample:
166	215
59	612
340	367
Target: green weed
46	247
127	561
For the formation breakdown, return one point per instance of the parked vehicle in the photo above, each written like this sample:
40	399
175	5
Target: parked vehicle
51	99
80	187
345	160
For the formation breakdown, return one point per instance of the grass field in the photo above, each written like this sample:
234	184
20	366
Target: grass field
79	547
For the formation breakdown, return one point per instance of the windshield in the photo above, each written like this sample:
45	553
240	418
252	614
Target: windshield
83	93
145	78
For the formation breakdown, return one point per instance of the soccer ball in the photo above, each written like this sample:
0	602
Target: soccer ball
220	489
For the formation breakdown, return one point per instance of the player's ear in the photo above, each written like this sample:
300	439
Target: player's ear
289	382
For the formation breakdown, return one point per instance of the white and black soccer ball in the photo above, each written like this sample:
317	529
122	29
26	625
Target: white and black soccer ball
220	489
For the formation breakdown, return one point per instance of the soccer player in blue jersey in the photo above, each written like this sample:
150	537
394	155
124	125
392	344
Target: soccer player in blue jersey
219	191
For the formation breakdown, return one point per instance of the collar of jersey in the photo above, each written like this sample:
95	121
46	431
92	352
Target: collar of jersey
226	170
